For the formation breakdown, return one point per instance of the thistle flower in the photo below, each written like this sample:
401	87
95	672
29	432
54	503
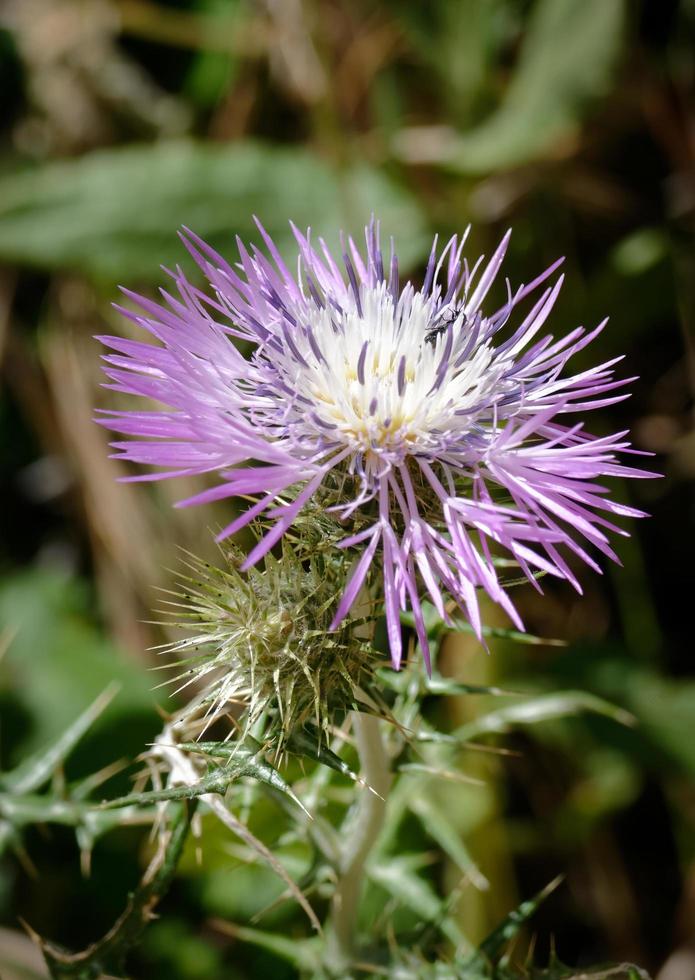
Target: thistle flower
433	429
259	644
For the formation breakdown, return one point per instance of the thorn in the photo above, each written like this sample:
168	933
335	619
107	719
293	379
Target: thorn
31	933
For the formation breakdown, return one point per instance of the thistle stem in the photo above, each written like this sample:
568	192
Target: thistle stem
362	834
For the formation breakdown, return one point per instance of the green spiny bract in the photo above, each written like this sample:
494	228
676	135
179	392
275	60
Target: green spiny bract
260	650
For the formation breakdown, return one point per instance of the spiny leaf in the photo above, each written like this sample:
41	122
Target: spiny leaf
304	954
305	744
38	768
250	764
422	768
108	954
20	811
242	831
542	708
495	944
401	683
503	633
437	826
179	762
395	874
216	781
435	626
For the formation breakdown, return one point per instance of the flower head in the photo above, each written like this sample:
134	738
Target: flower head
258	644
435	430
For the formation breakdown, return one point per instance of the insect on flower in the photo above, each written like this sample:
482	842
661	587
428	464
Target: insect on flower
433	434
442	321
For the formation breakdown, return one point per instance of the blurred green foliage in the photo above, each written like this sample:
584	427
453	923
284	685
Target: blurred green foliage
111	211
571	121
58	661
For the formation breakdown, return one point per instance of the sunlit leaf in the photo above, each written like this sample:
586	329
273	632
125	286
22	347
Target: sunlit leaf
568	54
113	214
543	708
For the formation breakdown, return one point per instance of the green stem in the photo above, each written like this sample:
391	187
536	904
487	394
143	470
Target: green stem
23	810
109	953
361	836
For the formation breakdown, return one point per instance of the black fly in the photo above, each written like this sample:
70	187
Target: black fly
441	323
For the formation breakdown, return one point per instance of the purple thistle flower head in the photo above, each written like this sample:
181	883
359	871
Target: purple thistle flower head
434	435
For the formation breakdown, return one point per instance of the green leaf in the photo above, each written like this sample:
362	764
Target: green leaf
436	627
402	682
457	40
20	811
503	633
59	661
498	941
611	971
434	820
113	214
108	953
665	708
396	875
542	708
239	887
305	744
247	760
566	62
38	769
216	781
212	72
304	954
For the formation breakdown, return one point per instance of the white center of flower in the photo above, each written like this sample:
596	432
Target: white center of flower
389	378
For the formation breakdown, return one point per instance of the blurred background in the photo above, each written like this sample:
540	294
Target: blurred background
573	122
